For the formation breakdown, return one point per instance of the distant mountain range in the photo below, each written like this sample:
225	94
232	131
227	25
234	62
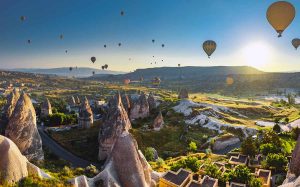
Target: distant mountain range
64	71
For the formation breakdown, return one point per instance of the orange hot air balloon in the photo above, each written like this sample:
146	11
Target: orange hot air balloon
126	81
209	47
229	80
296	43
280	15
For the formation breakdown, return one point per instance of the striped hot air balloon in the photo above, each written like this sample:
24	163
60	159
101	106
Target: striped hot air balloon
209	46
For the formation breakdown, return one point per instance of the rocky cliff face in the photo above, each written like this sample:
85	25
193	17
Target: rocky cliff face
140	108
126	103
183	94
115	124
125	165
22	129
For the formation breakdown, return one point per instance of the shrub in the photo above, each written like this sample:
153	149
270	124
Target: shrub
248	147
275	161
192	146
268	148
150	154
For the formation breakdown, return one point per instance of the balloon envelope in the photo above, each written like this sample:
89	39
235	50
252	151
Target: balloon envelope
93	59
280	15
22	18
296	42
209	47
126	81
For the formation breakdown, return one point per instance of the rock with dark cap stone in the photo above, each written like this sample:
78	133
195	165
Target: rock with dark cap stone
152	102
85	117
140	108
22	129
158	122
183	94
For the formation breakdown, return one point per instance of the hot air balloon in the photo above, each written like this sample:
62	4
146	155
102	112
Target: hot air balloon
70	68
122	13
93	59
76	67
162	45
29	41
153	56
129	59
209	47
296	42
66	51
61	36
178	65
102	67
105	66
162	60
229	80
153	40
104	45
280	15
93	72
22	18
119	44
126	81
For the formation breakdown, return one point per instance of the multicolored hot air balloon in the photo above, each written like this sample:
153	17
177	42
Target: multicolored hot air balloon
280	15
229	80
93	59
296	43
126	81
209	47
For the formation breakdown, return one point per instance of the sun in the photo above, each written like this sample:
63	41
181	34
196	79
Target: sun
257	54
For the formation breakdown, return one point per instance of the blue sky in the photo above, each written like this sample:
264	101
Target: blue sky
237	26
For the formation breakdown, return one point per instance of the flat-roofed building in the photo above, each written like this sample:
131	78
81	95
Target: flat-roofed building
176	179
265	175
238	160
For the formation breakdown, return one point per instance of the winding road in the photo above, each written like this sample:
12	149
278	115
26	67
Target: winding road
61	152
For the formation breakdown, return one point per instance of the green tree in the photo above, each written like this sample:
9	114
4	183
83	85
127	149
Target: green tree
268	148
150	153
193	146
286	120
248	147
269	136
255	182
240	174
212	170
275	161
276	128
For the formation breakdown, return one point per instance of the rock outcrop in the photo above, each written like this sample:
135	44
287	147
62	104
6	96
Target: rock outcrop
116	122
293	175
8	109
126	103
46	108
13	165
158	122
140	108
222	143
22	129
152	102
85	117
183	94
125	165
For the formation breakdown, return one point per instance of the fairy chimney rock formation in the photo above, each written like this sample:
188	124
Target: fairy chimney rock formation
158	122
85	117
114	125
13	165
11	102
46	108
126	103
152	102
22	129
183	94
140	108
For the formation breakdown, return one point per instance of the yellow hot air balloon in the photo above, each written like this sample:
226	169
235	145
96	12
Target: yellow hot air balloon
280	15
296	42
209	47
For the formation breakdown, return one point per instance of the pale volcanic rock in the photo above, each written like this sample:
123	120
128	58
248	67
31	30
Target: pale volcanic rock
22	129
46	108
152	102
126	103
158	122
13	165
11	102
183	94
140	108
116	122
85	117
